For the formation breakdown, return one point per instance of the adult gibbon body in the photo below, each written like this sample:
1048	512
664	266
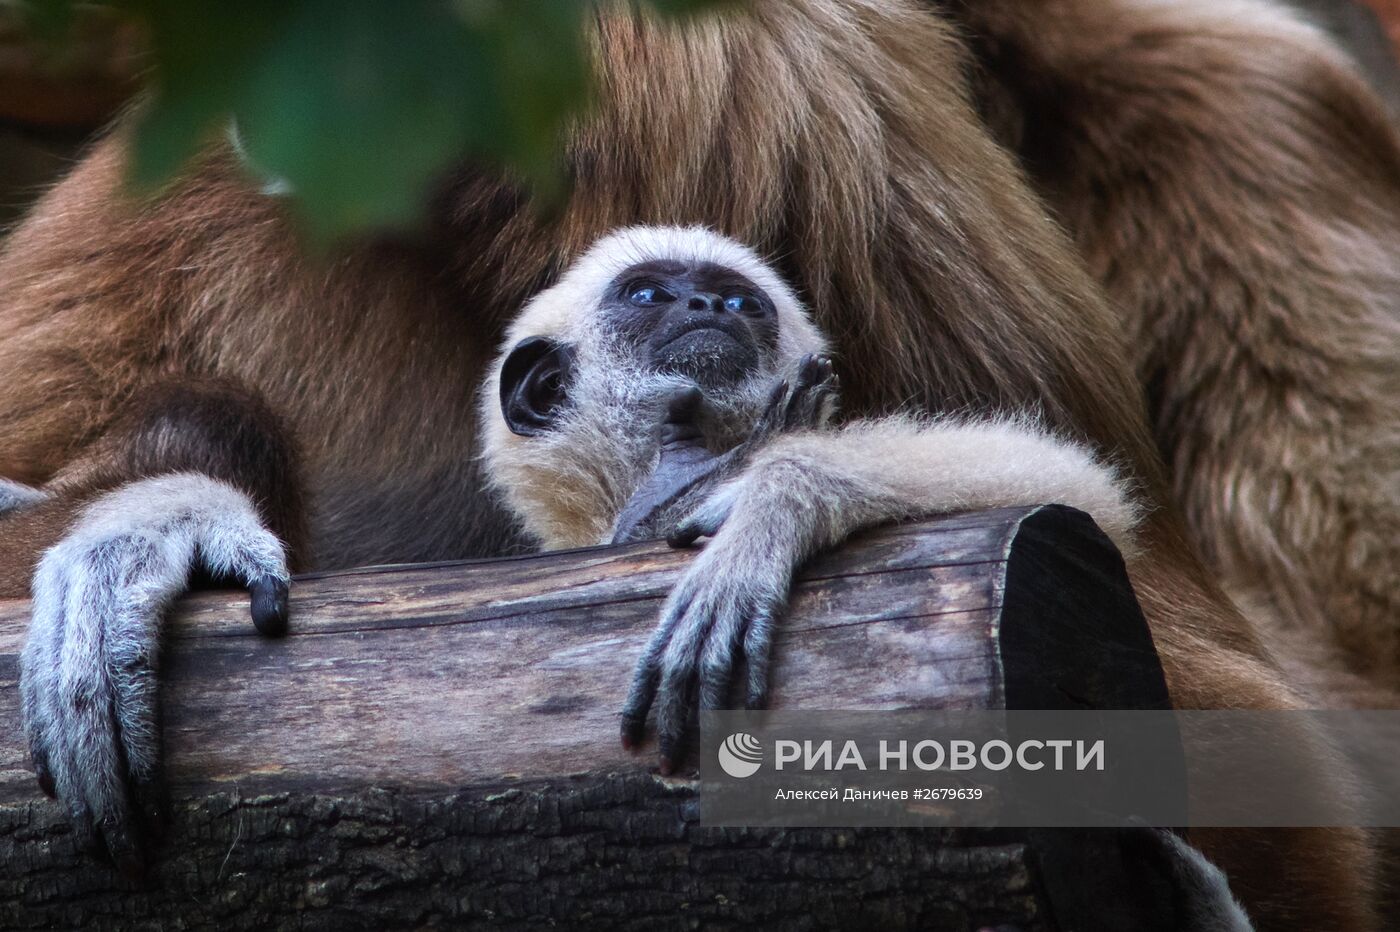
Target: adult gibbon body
1231	185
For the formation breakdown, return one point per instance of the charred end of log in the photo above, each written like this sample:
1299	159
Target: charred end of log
1074	637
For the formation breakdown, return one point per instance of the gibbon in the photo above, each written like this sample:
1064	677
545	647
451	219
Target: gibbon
692	331
1220	322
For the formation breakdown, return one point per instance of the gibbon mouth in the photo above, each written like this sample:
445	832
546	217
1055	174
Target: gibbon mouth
711	328
711	356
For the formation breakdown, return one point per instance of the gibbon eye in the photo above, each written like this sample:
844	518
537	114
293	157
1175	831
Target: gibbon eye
743	304
648	294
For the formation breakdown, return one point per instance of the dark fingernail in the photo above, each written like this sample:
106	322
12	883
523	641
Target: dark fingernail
83	834
122	848
632	731
268	604
667	751
683	537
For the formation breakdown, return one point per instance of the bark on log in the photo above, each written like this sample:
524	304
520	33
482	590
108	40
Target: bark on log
437	746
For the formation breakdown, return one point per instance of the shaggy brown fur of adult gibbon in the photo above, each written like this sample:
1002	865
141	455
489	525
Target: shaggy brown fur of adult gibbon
1221	319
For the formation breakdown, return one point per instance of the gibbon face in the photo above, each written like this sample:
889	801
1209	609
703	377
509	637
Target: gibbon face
703	321
695	319
570	410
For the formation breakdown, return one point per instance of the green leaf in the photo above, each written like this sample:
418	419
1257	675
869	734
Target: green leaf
48	21
358	106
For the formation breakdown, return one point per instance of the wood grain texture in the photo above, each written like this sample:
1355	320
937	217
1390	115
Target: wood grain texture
437	745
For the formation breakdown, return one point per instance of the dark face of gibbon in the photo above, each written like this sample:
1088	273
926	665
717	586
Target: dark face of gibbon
702	321
705	322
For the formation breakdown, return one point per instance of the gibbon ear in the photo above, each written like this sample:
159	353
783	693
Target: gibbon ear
534	384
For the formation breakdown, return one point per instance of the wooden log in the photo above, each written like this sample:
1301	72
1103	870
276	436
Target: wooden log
438	745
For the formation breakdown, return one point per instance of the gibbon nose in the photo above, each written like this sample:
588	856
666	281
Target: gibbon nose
704	301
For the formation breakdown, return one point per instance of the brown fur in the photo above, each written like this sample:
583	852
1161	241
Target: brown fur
198	425
1238	207
1262	307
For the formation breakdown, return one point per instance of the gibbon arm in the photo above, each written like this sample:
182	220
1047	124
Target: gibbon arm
195	481
810	490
